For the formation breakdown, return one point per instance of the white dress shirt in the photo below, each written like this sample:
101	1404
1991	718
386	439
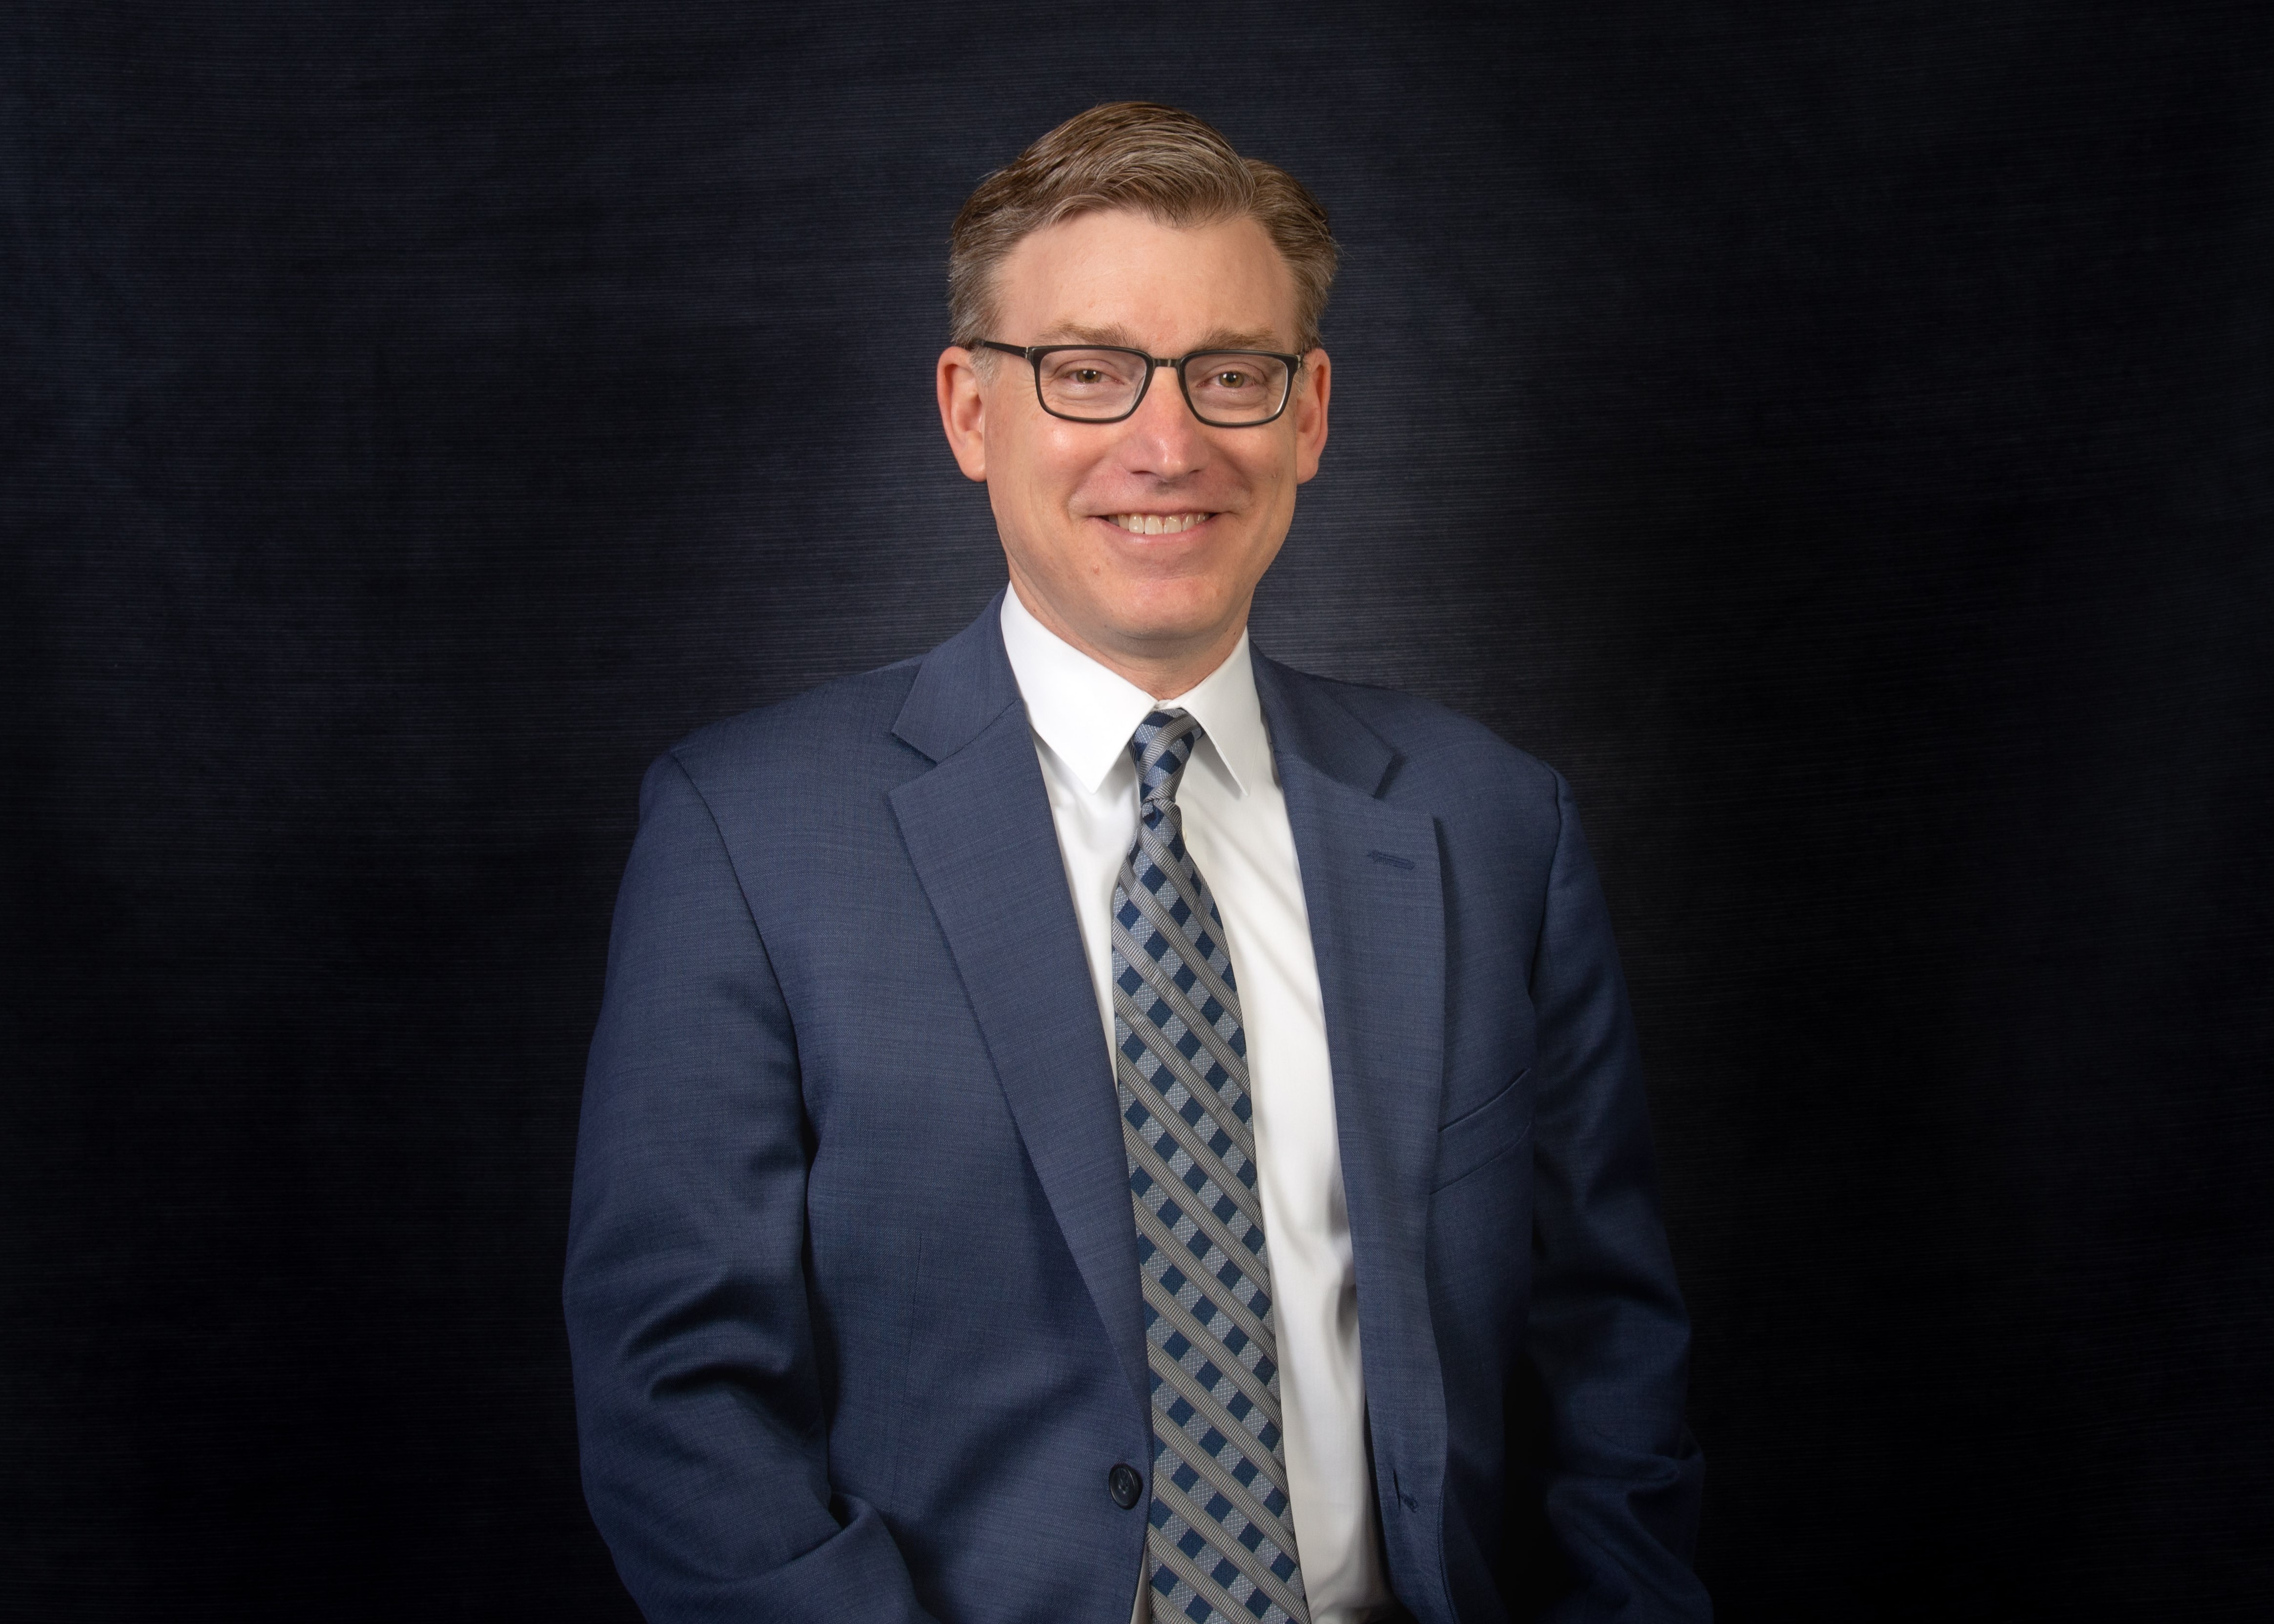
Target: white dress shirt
1235	822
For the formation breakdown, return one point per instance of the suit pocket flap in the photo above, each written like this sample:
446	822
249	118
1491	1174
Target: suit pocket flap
1485	1133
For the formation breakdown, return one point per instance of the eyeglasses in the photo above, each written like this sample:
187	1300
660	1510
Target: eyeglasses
1092	383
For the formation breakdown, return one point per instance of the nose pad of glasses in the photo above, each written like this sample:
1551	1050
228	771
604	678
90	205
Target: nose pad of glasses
1174	369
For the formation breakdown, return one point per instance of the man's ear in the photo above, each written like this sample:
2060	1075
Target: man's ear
963	410
1312	385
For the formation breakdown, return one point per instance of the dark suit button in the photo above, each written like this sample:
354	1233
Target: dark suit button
1124	1486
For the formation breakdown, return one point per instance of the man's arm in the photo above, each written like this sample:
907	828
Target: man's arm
1610	1340
697	1402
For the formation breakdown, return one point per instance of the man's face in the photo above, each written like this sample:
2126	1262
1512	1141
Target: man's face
1077	504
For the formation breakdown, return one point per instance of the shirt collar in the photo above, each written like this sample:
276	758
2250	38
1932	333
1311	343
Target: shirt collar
1086	713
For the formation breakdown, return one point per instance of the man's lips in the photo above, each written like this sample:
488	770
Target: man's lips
1156	523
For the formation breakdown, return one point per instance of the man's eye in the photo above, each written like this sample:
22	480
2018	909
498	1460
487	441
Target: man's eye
1232	380
1087	374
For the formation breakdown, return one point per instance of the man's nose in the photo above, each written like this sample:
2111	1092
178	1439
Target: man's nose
1165	439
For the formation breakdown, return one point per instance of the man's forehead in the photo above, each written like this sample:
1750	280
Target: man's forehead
1118	277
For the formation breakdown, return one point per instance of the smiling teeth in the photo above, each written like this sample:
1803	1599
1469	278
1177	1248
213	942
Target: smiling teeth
1157	524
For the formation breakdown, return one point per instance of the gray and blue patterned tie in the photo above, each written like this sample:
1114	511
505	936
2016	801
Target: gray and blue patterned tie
1221	1546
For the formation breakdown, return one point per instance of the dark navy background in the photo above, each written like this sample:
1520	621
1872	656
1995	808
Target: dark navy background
1840	437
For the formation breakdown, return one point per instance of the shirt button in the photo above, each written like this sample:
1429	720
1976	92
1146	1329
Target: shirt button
1124	1486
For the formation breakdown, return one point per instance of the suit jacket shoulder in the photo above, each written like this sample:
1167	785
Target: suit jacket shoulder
1442	745
839	732
1501	805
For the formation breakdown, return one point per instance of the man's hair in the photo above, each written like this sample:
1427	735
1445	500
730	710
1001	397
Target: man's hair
1142	156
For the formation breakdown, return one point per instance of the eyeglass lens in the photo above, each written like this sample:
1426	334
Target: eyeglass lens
1225	385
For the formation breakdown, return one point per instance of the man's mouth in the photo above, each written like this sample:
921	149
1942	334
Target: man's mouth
1157	524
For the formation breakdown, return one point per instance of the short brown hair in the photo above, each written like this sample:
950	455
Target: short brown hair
1142	156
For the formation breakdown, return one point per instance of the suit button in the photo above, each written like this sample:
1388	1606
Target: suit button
1124	1486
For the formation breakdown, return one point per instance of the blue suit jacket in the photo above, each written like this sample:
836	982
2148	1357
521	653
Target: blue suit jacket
852	1281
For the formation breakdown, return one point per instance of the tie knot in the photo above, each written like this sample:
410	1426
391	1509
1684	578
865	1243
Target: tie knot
1163	745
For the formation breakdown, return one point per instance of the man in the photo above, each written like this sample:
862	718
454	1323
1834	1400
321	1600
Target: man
1091	1113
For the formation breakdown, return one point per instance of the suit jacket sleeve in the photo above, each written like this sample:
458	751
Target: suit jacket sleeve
698	1402
1609	1336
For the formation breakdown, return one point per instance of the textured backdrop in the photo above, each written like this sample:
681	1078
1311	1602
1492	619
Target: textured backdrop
1840	437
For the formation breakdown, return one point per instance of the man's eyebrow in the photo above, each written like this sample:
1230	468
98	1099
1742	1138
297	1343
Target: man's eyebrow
1227	338
1122	338
1074	333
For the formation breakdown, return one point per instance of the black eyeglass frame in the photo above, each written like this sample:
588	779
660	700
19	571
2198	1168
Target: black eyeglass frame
1032	354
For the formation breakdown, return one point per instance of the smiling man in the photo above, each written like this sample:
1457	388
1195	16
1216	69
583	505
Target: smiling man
1092	1123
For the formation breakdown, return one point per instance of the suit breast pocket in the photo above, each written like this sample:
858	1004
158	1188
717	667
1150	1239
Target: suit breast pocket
1485	1134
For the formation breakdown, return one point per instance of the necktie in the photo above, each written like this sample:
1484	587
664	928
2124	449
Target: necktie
1221	1545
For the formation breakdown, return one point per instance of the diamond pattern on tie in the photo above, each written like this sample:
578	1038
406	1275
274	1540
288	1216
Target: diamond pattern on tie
1221	1546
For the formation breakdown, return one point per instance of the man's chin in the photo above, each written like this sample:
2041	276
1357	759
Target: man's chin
1145	615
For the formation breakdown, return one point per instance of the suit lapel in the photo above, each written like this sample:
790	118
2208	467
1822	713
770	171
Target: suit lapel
1371	884
978	828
